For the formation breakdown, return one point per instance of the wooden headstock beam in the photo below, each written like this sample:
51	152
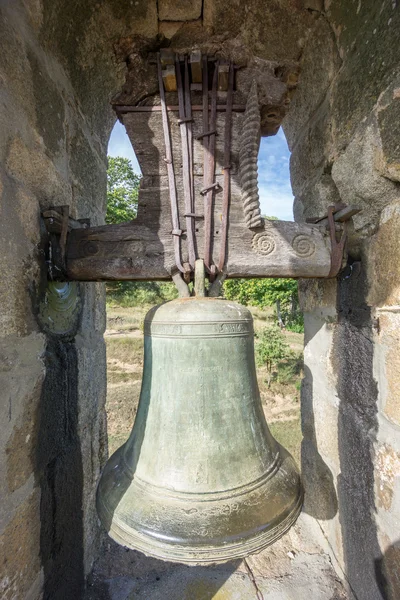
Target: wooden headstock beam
129	251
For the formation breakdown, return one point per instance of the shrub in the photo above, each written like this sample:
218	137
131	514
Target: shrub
140	293
271	347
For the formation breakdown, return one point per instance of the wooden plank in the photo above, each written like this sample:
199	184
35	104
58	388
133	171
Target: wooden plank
167	57
169	78
134	252
223	77
195	66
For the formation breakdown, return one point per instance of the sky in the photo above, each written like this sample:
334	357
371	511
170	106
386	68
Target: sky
276	196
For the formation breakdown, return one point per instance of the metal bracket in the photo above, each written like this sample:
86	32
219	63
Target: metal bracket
337	213
337	247
214	186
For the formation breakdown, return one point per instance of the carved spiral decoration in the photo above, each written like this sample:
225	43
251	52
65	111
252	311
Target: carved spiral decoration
248	154
263	243
303	245
88	247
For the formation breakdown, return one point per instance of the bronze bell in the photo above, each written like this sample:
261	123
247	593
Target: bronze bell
200	479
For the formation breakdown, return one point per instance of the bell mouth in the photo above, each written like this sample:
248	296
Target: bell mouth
187	552
198	529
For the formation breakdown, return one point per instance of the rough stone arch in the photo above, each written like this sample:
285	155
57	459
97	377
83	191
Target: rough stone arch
61	64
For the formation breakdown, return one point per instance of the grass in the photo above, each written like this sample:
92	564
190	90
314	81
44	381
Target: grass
125	349
124	340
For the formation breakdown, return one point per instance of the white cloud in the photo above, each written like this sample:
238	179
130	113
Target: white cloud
119	144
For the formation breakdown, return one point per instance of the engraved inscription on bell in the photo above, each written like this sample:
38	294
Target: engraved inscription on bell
200	479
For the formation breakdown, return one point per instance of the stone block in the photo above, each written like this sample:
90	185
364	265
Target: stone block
315	78
357	178
169	28
21	377
387	470
318	294
315	199
21	446
383	256
311	158
389	129
179	10
387	362
367	43
388	568
272	31
20	548
34	169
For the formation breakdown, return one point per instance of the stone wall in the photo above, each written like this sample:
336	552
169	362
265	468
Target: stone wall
60	65
52	388
343	133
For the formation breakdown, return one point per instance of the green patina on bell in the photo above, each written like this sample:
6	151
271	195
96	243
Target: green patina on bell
200	479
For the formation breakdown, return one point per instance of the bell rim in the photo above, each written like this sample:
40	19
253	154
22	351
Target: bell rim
201	555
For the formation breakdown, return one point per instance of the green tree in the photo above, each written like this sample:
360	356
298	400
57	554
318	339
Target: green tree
268	292
122	190
261	292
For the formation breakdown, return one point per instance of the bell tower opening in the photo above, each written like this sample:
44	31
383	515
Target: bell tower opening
276	197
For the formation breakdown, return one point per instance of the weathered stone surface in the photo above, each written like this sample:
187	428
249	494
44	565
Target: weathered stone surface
367	41
387	469
387	361
43	131
357	179
274	31
179	10
389	129
21	446
19	548
169	28
311	159
315	199
315	78
384	256
387	566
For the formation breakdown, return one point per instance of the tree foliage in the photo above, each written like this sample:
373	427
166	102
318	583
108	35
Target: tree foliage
122	190
261	292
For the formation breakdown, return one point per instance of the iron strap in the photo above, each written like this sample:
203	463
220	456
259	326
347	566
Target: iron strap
170	170
209	170
186	139
227	171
